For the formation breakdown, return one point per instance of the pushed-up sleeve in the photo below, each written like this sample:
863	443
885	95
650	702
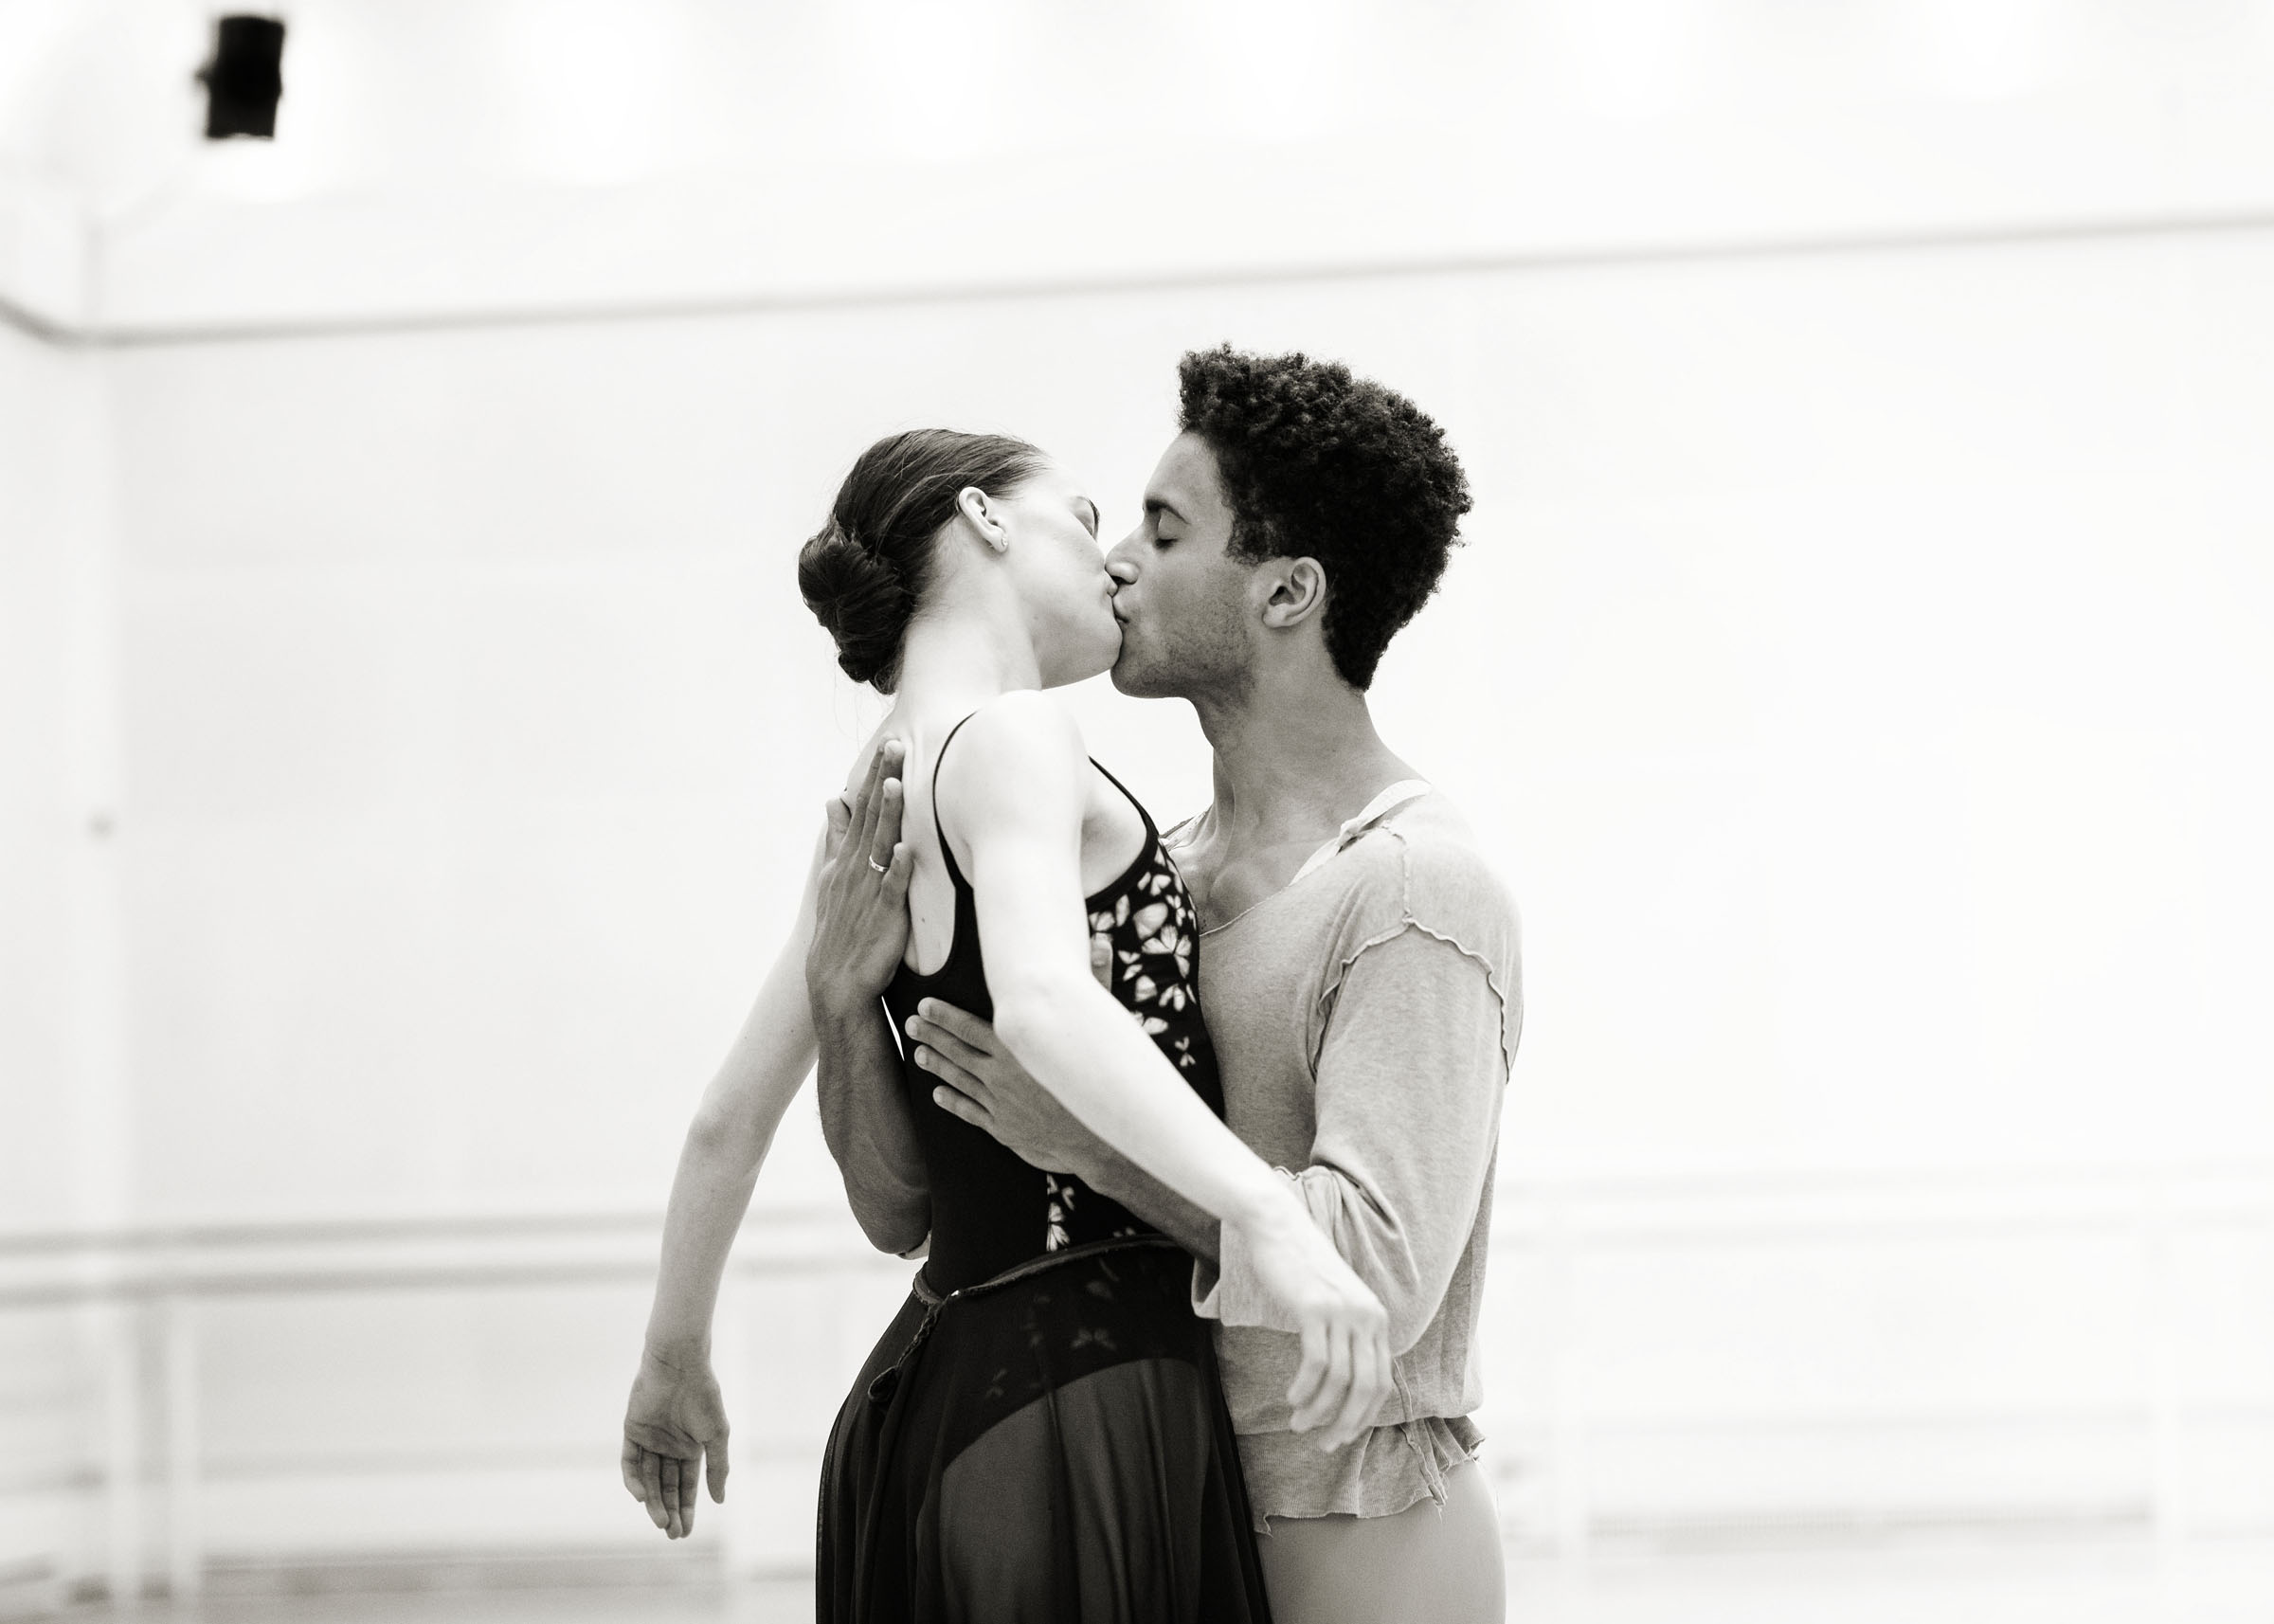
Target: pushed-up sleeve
1412	1053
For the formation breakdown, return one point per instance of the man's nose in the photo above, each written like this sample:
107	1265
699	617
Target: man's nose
1119	563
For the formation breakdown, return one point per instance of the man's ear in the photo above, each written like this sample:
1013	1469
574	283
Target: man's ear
981	514
1297	591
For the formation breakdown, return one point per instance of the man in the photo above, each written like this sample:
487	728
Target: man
1359	968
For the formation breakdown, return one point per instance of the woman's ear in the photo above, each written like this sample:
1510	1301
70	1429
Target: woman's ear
1297	591
984	516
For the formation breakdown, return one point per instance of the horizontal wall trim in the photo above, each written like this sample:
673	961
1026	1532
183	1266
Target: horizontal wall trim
319	1232
409	1278
1523	1186
1550	1215
1921	240
633	1563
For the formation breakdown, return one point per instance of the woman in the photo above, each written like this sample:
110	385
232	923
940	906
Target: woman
1039	1432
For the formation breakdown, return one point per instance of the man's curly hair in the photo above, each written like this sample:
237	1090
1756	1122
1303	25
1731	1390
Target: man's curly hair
1317	464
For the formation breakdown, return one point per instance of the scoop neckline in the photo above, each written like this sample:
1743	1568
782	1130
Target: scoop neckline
1368	819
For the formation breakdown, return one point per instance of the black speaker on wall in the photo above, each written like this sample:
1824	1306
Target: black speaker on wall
245	78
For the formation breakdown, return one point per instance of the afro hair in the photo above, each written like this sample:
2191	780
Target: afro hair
1318	463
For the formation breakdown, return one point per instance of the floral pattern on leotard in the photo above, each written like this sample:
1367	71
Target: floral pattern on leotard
1146	947
1143	950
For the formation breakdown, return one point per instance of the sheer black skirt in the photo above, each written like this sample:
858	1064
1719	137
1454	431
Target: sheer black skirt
1049	1445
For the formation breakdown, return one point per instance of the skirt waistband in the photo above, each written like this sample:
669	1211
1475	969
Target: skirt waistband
932	1298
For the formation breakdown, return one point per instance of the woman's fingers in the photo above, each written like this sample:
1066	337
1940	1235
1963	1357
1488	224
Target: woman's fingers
1317	1417
1310	1373
651	1482
1367	1384
1327	1401
885	830
868	807
630	1466
690	1492
716	1467
865	805
670	1476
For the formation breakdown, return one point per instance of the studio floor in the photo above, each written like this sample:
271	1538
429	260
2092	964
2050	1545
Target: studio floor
2105	1580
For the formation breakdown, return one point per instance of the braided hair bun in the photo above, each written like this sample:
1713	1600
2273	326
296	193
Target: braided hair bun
858	597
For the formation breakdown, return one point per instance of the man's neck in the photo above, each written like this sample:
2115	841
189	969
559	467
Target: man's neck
1294	760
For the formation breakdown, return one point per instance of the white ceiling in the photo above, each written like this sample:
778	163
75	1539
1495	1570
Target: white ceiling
440	157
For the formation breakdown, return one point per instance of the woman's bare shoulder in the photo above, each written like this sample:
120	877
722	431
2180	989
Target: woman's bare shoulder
1024	728
1020	746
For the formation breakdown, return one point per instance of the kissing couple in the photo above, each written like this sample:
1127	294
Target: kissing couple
1194	1129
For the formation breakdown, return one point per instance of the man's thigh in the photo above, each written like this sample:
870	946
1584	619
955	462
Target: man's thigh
1431	1565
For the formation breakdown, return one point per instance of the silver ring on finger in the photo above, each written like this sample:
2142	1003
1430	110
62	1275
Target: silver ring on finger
880	868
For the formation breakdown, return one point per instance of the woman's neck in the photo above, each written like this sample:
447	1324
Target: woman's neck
964	660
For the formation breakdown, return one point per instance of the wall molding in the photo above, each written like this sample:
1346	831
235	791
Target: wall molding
1544	260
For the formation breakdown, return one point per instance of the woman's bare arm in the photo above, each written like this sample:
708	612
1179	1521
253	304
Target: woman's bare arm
674	1420
1018	792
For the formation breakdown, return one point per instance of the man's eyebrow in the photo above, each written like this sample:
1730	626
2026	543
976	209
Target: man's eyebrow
1162	505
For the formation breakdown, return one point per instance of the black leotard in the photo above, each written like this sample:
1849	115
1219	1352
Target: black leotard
989	1208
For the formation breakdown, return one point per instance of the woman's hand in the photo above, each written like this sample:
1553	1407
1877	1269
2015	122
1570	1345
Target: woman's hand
674	1421
1346	1371
860	907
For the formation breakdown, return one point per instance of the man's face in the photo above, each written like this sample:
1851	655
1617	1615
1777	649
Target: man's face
1181	599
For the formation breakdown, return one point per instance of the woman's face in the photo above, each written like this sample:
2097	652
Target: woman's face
1061	571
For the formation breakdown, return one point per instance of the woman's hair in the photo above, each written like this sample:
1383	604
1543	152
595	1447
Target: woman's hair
863	574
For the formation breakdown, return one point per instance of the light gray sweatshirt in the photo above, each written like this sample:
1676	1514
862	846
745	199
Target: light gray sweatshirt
1364	1020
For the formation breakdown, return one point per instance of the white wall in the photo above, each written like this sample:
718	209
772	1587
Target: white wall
1853	660
62	1139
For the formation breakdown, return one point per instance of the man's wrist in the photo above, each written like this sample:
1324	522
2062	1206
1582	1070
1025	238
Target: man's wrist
1097	1166
836	1013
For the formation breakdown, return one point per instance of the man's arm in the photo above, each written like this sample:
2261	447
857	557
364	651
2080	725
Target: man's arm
860	933
982	1082
1409	1076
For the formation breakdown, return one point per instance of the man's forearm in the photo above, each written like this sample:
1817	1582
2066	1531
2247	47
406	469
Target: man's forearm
1111	1174
868	1125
